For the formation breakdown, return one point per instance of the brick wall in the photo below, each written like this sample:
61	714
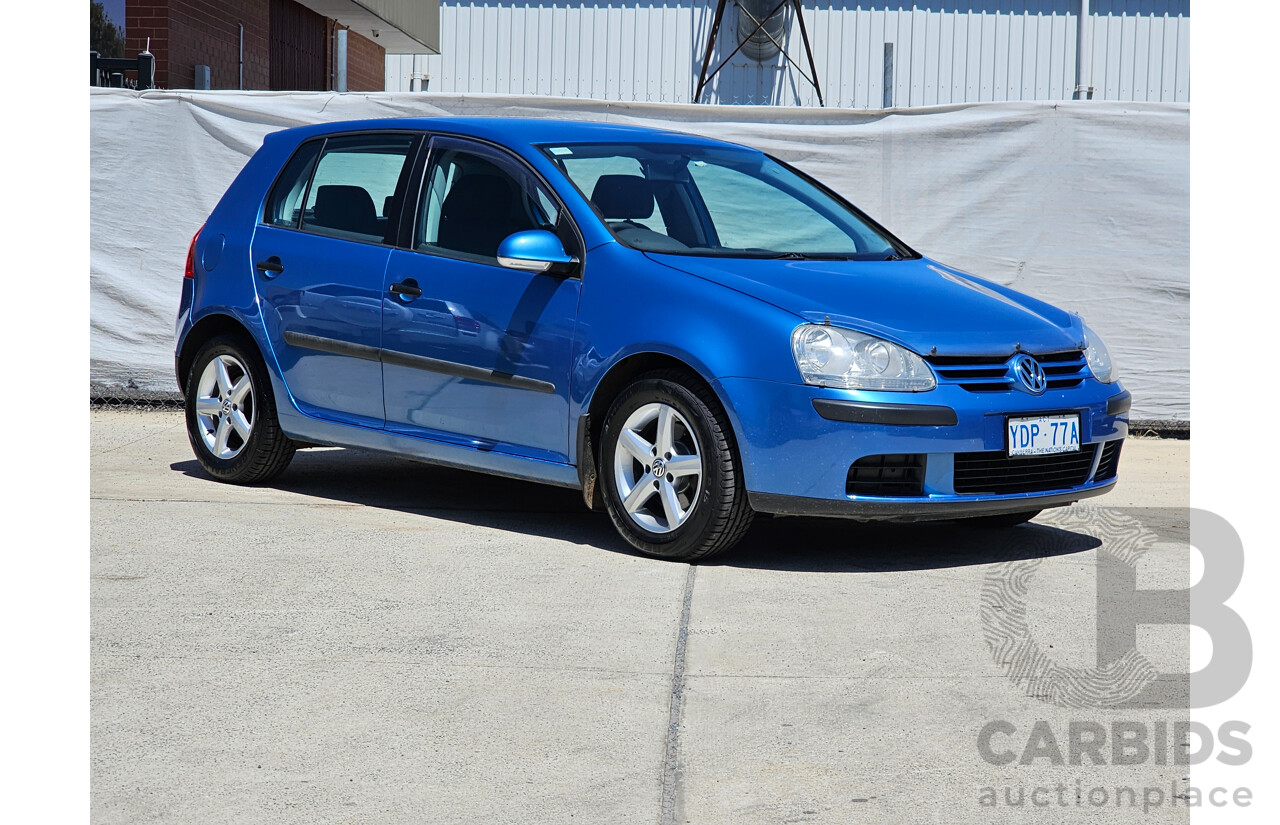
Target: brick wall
148	19
185	33
366	64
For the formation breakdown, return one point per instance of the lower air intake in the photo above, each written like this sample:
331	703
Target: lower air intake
896	474
996	472
1110	461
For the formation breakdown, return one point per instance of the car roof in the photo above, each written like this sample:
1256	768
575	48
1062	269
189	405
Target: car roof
513	131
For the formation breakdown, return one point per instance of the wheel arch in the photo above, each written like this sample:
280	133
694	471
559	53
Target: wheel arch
204	330
607	388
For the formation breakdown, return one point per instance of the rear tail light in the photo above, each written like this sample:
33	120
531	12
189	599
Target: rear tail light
191	256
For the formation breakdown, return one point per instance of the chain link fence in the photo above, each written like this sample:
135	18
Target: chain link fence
125	398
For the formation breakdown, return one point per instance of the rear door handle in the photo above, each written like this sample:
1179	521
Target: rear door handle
270	267
408	288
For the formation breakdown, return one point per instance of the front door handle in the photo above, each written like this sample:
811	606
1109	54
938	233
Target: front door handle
271	267
408	288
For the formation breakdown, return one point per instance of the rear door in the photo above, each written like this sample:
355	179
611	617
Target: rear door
320	255
475	353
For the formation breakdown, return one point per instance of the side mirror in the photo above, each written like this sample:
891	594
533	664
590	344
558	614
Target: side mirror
534	250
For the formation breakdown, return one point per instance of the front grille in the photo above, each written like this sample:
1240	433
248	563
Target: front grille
1110	461
996	472
887	475
990	373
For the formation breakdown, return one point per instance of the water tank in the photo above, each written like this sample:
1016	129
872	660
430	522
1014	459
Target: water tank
759	46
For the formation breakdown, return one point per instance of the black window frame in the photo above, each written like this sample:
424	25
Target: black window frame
409	219
402	184
304	148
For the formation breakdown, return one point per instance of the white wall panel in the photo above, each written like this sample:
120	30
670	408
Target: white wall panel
945	52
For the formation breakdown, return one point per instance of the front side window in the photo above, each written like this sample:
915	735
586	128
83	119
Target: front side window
353	190
694	199
472	199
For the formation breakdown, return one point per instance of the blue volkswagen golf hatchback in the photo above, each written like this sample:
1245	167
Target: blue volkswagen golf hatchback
686	330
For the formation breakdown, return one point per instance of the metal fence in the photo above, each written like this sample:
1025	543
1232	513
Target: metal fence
122	399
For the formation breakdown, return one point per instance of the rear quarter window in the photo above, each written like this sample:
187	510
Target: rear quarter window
284	206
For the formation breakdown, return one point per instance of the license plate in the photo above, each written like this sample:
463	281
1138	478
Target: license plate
1044	435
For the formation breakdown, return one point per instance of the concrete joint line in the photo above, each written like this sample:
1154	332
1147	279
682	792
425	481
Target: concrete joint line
671	766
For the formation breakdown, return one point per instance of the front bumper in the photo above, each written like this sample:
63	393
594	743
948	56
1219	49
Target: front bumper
798	442
934	508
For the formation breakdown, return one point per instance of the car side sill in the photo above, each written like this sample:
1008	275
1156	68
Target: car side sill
302	427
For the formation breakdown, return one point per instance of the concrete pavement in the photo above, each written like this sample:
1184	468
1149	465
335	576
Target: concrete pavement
372	640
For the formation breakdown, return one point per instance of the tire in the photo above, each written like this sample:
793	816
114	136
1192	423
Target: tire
1003	520
221	408
709	503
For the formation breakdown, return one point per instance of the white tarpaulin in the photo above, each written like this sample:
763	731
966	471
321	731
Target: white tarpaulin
1085	205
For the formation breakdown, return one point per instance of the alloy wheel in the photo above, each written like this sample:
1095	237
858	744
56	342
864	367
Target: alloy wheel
657	468
225	407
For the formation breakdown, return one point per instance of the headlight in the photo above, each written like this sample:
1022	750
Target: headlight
832	357
1098	356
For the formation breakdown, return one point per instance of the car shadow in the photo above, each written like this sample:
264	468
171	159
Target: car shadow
784	544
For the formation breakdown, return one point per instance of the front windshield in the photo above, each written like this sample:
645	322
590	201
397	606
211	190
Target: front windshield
690	199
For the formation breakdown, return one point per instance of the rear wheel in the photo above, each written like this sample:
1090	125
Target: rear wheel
1002	520
231	414
671	479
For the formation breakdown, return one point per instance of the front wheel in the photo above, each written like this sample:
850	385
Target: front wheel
671	479
231	414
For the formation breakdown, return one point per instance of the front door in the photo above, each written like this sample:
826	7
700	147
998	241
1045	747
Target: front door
475	353
320	259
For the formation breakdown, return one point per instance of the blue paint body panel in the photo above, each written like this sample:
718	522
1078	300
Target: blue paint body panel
490	317
788	449
550	340
331	288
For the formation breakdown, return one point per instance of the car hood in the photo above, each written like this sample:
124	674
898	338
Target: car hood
918	303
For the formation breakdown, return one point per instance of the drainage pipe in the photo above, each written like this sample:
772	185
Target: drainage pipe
341	51
1084	53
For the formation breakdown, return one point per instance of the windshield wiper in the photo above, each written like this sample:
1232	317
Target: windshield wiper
814	256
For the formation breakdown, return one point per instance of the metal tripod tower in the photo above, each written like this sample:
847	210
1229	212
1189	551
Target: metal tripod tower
704	77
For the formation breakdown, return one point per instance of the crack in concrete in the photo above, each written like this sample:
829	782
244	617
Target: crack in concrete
671	761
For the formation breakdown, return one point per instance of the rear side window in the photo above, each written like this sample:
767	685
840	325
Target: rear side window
352	193
284	207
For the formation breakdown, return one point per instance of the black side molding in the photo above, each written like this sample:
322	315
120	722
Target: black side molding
419	362
1120	403
899	415
331	345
